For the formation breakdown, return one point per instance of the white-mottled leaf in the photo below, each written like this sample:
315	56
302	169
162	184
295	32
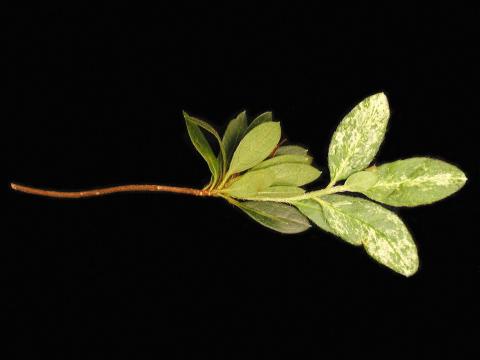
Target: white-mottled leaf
361	181
291	150
358	137
382	233
415	181
295	174
255	147
260	119
249	184
276	216
203	146
314	211
279	192
236	128
302	159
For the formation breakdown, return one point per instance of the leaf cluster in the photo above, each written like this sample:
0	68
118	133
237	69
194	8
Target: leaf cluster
254	171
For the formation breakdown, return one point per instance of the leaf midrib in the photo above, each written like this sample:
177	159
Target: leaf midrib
414	182
344	160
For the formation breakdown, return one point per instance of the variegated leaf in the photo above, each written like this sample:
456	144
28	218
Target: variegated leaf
415	181
314	211
382	233
358	137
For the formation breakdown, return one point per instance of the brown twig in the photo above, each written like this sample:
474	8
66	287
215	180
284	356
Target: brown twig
109	190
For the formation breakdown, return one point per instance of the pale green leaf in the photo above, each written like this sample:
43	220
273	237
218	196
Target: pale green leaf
291	150
314	211
361	181
358	137
279	192
295	174
260	119
382	233
415	181
203	147
276	216
255	147
236	128
249	184
302	159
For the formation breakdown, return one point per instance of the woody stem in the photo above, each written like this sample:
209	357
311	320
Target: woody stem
109	190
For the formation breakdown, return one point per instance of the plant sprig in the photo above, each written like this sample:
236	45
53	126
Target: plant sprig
255	172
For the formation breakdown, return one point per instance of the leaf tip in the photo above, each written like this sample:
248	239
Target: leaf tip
411	272
381	96
381	101
412	269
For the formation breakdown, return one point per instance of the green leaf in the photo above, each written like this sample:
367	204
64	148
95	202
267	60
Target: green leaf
382	233
291	150
361	181
222	161
294	174
302	159
314	211
415	181
260	119
233	134
249	184
255	147
280	192
358	137
276	216
203	147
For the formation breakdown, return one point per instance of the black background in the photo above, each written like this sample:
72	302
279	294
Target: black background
95	96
